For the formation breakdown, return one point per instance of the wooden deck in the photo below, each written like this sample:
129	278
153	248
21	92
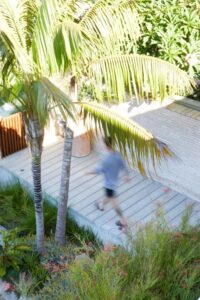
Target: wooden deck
139	199
179	127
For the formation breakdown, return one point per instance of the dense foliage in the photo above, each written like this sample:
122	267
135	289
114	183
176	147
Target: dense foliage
161	264
17	210
20	264
171	31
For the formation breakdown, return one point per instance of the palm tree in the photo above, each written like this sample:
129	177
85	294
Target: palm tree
103	35
89	43
30	83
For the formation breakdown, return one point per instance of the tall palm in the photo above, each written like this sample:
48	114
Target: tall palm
30	83
94	42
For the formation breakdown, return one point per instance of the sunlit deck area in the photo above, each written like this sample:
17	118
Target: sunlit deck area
139	199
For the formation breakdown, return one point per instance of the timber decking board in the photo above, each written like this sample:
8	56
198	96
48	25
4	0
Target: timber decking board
126	201
53	180
139	198
98	194
179	130
92	211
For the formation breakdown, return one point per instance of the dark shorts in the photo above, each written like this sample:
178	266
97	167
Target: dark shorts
110	193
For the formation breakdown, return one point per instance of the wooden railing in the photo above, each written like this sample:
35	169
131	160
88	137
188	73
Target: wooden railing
12	134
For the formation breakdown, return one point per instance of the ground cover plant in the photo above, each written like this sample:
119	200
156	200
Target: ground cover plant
161	264
20	264
17	210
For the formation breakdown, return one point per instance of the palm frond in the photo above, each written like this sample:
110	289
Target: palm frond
48	96
138	145
68	42
8	66
73	9
42	43
10	16
28	10
11	94
138	75
114	24
12	36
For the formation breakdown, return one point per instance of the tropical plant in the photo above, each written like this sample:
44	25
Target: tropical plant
12	251
42	38
171	31
20	29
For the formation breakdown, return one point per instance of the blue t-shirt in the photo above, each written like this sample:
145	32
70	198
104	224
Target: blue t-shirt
110	167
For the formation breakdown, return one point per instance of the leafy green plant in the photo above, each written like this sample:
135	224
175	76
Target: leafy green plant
25	285
27	223
32	265
171	31
87	279
159	263
18	210
12	251
14	202
75	232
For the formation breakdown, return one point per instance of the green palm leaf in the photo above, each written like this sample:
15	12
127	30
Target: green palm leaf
138	75
138	145
13	38
45	96
70	39
103	14
42	42
27	11
57	98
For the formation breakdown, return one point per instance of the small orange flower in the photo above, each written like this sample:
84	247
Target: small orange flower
193	239
8	287
109	247
197	267
123	273
55	268
178	234
184	286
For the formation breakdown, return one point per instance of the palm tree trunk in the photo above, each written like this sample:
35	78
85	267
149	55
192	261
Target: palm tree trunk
64	188
35	136
38	201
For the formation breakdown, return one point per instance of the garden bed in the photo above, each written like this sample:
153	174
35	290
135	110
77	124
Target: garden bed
161	263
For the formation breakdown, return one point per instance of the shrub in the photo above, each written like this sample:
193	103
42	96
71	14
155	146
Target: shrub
171	31
12	251
14	203
17	209
159	263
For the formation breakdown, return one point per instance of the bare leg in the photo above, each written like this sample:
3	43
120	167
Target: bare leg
106	200
102	205
118	210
